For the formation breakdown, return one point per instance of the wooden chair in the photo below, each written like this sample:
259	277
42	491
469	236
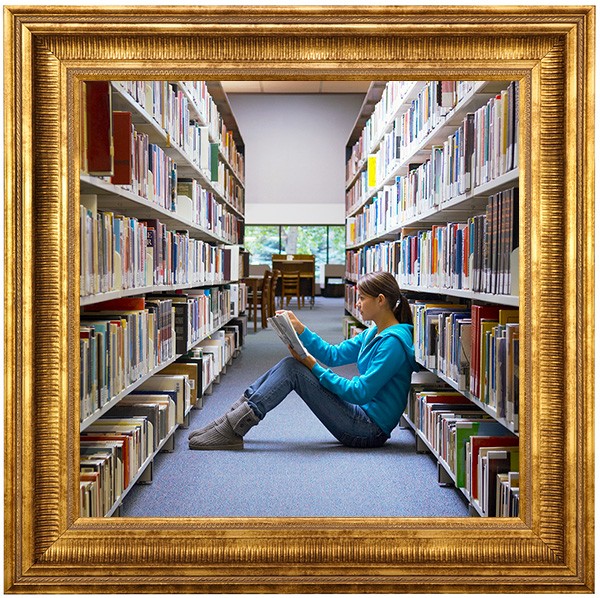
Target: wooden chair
274	278
263	301
305	264
290	287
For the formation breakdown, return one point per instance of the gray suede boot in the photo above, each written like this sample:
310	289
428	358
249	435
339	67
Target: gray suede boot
227	435
243	399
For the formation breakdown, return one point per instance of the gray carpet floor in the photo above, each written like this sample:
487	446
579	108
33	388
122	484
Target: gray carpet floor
291	466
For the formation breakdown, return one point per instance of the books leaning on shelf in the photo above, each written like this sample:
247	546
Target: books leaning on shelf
283	327
122	252
469	444
483	148
476	349
477	255
120	342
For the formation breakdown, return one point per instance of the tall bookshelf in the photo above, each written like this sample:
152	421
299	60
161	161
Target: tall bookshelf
161	228
432	197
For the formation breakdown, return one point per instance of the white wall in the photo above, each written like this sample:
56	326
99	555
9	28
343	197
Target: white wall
295	148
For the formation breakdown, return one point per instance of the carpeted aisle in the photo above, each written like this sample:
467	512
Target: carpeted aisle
291	466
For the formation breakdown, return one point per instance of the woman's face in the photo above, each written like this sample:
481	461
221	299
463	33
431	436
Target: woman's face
367	305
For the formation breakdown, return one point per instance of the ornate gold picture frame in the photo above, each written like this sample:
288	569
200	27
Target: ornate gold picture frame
48	548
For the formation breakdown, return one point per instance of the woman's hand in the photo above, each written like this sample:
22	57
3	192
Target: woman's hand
308	361
296	323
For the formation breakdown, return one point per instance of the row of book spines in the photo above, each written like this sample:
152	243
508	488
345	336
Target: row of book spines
479	255
484	147
435	100
356	194
393	93
162	401
168	105
153	411
118	347
418	192
142	166
119	450
145	166
461	436
122	252
384	214
112	146
371	258
123	340
195	204
147	171
424	116
477	348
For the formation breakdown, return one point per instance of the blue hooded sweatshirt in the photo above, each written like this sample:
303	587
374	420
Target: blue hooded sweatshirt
385	363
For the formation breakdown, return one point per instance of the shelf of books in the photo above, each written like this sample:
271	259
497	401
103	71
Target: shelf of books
161	305
432	197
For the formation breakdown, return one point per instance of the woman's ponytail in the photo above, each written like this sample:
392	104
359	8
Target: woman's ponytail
402	311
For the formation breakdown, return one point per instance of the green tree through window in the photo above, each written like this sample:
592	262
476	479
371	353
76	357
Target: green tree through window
262	242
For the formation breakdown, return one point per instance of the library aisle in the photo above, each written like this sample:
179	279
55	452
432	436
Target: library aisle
291	466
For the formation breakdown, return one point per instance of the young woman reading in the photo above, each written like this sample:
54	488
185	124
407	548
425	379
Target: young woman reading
361	412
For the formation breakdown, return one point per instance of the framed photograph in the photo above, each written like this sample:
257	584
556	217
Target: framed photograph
50	549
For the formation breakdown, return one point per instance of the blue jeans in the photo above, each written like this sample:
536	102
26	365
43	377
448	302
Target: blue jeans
347	422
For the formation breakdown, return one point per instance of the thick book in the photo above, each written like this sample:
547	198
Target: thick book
123	143
283	327
214	162
478	313
99	128
464	431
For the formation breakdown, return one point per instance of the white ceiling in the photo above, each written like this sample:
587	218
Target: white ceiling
295	86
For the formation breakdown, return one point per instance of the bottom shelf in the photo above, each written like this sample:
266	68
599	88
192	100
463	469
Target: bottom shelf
448	477
141	471
99	491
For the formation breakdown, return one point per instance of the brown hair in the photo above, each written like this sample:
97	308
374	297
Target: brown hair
374	284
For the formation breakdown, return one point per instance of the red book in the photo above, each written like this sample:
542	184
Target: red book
99	128
123	141
479	313
121	304
443	398
476	443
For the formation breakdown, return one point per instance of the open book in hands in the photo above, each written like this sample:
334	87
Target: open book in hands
283	327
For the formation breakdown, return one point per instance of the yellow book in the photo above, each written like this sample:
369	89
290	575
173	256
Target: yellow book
372	170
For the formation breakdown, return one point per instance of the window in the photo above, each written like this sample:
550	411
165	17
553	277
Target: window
262	242
326	242
336	244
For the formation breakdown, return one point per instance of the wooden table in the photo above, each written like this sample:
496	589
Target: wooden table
254	283
307	276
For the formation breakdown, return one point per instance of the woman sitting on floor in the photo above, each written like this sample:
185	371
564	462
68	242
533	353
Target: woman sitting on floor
361	412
